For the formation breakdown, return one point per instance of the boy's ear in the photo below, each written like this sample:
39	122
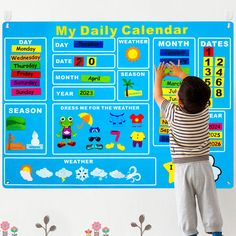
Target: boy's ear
180	103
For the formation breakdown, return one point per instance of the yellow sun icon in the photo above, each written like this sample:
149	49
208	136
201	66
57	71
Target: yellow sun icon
133	54
26	168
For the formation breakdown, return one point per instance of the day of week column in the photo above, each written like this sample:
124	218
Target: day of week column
25	69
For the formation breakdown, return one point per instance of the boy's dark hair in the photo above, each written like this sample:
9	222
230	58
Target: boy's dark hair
194	94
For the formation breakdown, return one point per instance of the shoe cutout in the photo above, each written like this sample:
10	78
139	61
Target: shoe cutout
62	144
89	146
98	146
120	147
71	143
110	145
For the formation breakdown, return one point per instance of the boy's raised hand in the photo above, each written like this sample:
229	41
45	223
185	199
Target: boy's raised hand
160	74
176	71
160	71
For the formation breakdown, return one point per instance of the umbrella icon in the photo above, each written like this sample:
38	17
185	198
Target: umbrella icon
87	118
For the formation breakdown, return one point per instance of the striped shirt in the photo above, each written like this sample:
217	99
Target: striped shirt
189	133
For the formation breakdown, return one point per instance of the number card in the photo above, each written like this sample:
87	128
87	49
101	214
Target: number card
78	105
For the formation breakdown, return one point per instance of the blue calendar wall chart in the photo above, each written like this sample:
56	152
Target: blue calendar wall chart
78	107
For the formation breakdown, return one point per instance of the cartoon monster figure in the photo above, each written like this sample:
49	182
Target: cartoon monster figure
66	131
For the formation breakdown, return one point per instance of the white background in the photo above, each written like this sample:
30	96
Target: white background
73	211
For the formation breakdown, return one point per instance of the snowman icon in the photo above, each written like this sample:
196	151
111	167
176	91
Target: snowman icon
35	139
35	142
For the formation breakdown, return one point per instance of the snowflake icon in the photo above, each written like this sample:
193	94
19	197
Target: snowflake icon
82	174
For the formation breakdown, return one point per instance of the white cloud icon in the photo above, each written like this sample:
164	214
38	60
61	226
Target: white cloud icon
44	173
26	175
63	173
116	174
98	173
216	171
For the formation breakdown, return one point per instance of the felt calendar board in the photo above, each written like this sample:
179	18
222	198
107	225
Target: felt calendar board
78	107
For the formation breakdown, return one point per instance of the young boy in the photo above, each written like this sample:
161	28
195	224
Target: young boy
189	145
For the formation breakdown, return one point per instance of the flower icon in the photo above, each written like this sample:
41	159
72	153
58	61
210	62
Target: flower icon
96	226
5	225
14	230
105	231
88	232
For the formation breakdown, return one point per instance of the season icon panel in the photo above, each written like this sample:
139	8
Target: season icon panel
25	129
133	85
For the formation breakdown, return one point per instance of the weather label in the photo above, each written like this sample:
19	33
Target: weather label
78	106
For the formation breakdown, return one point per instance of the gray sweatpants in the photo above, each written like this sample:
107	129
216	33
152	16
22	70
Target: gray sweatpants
195	181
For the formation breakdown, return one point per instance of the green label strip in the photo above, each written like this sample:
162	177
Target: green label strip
184	69
25	65
171	83
95	78
86	93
